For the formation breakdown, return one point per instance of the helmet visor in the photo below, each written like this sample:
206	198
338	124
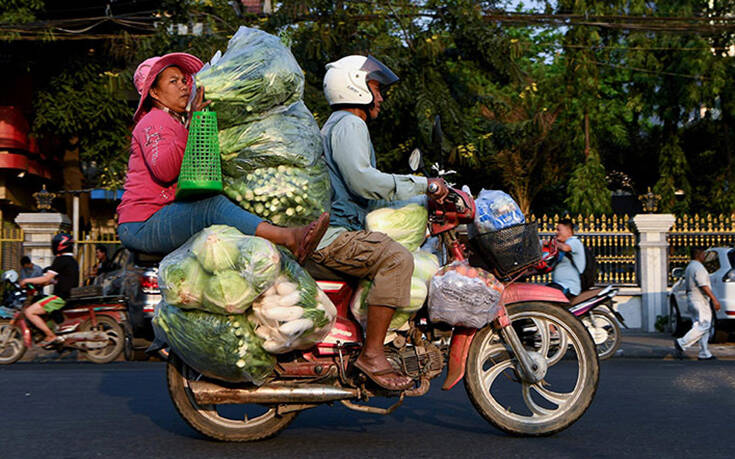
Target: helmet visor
377	71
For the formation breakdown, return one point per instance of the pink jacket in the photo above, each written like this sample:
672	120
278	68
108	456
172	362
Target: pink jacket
157	149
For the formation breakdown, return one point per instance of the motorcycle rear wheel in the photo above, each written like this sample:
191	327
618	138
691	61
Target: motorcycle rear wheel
605	320
115	335
14	347
207	420
558	400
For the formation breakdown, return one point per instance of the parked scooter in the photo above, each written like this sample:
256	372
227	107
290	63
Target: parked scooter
594	307
96	326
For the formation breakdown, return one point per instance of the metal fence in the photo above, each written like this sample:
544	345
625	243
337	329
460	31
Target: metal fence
11	246
698	230
608	237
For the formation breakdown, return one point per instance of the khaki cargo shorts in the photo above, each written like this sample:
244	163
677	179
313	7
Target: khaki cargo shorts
374	256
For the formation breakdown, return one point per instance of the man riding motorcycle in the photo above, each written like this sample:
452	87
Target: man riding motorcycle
352	87
64	273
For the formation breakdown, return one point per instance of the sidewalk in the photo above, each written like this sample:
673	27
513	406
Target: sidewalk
661	346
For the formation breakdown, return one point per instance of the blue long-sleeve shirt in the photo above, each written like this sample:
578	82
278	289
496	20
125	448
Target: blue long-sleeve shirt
355	179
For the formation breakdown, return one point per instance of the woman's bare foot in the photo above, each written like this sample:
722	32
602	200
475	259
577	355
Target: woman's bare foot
300	240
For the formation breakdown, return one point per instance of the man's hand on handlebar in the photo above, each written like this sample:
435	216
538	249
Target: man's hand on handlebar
437	189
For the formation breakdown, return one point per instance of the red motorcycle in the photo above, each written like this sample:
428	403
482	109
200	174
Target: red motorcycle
533	371
94	325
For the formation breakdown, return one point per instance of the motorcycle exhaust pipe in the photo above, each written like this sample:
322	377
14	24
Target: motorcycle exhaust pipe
207	393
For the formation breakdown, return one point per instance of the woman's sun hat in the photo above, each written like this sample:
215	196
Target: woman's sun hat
149	69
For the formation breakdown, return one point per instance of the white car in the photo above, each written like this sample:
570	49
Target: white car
720	264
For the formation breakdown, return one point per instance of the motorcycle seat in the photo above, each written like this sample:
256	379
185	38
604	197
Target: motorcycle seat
322	273
584	296
147	259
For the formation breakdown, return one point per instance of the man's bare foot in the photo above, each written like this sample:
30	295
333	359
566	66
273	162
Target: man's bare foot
382	373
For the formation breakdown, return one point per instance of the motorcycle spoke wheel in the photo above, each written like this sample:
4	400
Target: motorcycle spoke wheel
115	339
559	343
244	422
12	347
604	322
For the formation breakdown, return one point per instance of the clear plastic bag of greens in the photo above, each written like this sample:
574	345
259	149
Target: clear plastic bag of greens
406	225
286	196
462	295
219	346
294	313
255	75
289	138
219	270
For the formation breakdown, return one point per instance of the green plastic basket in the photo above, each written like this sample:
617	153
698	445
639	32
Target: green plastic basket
201	169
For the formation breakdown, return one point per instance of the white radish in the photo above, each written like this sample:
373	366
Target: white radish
270	292
290	299
328	308
285	288
273	346
263	332
271	301
296	327
284	314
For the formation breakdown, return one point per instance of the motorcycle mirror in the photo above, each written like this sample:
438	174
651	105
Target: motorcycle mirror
415	161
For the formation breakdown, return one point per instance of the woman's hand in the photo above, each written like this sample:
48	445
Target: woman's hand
198	104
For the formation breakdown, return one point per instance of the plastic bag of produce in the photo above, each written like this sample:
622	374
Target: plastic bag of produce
294	313
406	225
462	295
219	270
256	74
425	265
219	346
290	138
287	196
496	210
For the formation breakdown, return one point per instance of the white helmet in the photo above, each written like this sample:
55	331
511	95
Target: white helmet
11	276
346	80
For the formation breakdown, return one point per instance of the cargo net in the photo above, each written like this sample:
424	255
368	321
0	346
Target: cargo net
462	295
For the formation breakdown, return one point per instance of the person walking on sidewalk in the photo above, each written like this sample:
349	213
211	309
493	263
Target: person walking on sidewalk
696	280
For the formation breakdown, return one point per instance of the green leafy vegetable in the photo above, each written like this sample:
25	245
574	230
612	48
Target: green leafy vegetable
228	292
257	73
216	247
406	225
182	284
290	138
286	196
219	346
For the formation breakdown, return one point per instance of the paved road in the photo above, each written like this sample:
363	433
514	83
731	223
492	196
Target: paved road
644	408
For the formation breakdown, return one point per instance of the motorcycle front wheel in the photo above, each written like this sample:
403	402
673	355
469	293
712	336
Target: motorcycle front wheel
563	350
221	422
12	347
605	332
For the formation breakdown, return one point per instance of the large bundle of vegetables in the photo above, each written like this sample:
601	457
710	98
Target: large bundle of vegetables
219	270
294	313
425	265
284	195
289	138
255	75
218	346
406	225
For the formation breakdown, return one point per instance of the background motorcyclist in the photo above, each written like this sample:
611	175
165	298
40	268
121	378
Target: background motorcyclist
352	87
64	273
566	275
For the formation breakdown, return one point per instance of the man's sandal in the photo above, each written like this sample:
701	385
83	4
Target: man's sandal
374	376
314	234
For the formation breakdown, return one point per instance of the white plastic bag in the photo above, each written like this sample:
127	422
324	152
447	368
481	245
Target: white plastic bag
496	210
462	295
